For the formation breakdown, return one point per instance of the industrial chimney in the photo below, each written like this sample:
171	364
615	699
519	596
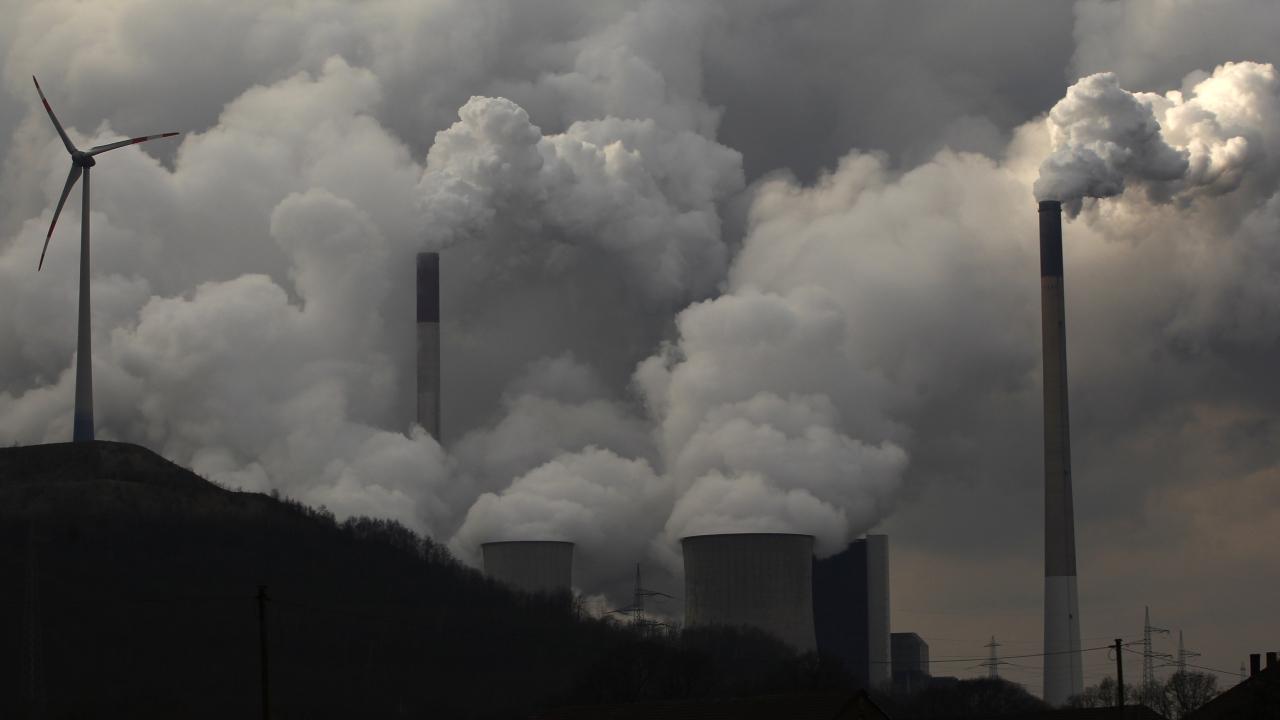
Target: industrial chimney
763	580
429	343
1062	666
532	566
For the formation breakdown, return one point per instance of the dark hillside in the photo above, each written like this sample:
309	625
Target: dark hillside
144	606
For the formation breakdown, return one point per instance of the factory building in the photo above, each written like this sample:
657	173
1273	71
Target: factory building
532	566
910	661
761	580
851	608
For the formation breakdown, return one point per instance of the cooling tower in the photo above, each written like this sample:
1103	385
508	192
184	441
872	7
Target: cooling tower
763	580
533	566
1062	665
851	609
429	343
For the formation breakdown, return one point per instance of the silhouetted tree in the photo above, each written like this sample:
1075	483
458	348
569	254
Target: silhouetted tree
1187	691
1173	698
1103	695
977	698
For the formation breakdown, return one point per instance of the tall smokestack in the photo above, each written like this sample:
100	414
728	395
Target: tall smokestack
1062	669
429	343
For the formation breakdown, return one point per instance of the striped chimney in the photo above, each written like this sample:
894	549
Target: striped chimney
429	343
1062	667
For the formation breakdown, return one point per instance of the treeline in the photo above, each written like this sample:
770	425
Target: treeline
144	605
1174	697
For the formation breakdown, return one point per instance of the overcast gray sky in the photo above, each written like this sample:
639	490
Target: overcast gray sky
716	266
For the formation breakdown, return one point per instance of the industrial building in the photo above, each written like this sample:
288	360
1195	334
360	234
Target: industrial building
851	608
532	566
910	661
761	580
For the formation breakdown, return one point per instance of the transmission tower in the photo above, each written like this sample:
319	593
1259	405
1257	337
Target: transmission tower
993	662
1184	654
1148	656
635	611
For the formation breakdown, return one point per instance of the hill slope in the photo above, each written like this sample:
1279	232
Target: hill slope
143	605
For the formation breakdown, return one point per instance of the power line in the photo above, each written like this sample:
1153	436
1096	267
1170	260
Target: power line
1220	671
1014	657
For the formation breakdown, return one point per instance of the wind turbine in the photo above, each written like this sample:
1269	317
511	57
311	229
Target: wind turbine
81	162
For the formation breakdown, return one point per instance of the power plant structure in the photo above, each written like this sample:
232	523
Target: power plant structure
1062	664
769	581
429	343
910	661
851	609
760	580
533	566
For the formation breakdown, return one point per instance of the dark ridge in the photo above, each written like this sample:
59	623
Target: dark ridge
143	606
92	461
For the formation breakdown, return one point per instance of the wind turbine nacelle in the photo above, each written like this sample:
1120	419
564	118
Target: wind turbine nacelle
83	159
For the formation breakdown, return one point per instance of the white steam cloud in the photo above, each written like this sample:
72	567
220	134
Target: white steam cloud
639	344
1175	146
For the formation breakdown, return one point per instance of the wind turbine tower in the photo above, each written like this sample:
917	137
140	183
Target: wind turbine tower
81	162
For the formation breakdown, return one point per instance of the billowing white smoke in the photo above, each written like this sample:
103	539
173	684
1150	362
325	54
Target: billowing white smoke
289	377
609	506
253	315
631	189
1200	141
747	427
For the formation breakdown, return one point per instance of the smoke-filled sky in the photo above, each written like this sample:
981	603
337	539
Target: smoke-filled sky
735	265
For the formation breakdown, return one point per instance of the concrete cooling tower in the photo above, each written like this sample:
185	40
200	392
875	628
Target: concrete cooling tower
532	566
763	580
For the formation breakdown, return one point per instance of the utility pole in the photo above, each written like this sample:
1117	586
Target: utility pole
1119	673
262	647
31	658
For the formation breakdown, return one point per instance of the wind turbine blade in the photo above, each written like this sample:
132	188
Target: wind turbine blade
72	177
61	133
131	141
